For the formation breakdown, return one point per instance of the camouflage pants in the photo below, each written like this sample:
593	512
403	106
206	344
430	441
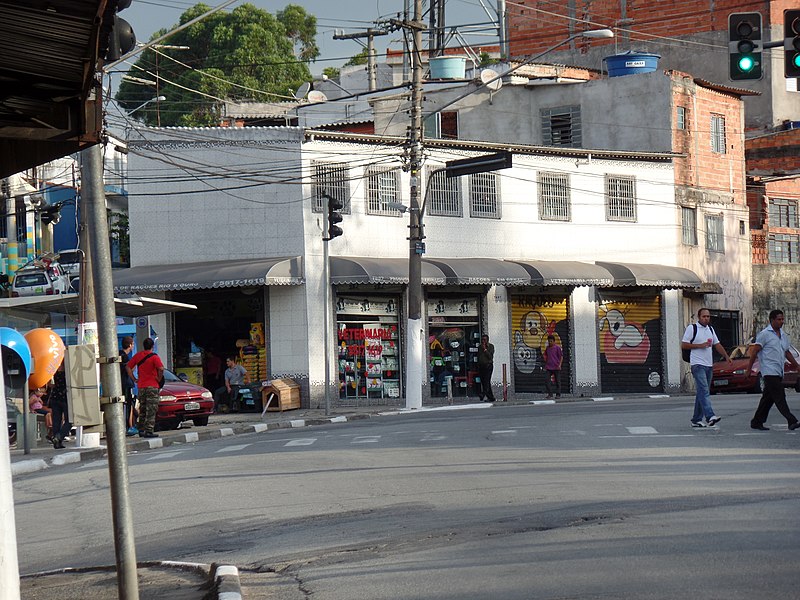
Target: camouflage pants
148	406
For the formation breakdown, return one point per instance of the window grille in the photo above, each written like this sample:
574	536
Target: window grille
561	126
782	212
444	194
332	179
620	198
382	188
784	248
718	134
715	239
554	203
484	200
689	225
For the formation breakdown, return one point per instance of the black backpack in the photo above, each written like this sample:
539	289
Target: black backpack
687	353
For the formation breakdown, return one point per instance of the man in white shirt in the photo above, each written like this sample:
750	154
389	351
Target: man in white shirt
700	337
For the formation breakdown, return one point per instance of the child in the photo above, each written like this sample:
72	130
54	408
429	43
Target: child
37	405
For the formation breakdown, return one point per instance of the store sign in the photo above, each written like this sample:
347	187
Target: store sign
453	308
365	306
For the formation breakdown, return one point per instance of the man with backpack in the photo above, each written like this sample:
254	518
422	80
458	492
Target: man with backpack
150	371
698	339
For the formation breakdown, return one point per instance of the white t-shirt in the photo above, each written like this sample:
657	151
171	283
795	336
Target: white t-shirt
701	356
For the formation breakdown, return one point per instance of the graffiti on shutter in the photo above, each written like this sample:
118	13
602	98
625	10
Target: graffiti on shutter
533	318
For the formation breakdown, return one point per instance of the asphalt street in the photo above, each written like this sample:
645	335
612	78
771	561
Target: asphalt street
616	499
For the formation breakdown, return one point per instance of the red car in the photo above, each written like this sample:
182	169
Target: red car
181	401
735	378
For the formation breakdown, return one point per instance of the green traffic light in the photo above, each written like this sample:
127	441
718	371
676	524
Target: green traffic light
796	60
746	63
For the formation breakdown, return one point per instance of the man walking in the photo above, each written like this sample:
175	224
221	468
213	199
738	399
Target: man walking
772	349
699	338
150	370
485	368
553	357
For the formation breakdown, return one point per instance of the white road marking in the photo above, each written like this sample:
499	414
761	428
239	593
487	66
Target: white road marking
366	439
233	448
301	442
660	435
641	430
432	437
499	431
538	402
163	455
603	399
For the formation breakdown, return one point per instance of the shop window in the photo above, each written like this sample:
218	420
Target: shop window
484	198
783	213
689	225
332	179
383	188
715	234
453	338
554	202
561	126
784	248
620	198
718	134
444	194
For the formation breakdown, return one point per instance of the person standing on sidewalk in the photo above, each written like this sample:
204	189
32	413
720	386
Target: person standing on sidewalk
772	349
485	368
150	370
700	338
553	357
127	384
57	400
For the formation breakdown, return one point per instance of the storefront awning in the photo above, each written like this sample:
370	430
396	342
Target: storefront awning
362	270
214	274
663	276
481	271
33	307
565	272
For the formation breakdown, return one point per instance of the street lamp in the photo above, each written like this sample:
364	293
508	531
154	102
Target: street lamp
415	346
143	104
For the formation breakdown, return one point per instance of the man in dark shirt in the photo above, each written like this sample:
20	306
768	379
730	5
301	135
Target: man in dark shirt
485	368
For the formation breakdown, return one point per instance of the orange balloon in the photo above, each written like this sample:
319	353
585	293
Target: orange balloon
47	351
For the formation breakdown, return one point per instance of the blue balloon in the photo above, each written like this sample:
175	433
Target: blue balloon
14	340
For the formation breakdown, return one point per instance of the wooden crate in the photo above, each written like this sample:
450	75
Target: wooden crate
281	394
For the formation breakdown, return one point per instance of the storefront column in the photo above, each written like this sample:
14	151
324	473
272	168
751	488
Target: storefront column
673	332
584	323
498	328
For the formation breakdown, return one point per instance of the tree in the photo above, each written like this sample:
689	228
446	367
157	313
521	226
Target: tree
247	54
301	29
361	58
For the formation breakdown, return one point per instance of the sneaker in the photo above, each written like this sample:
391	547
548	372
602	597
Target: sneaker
132	431
714	420
148	434
698	424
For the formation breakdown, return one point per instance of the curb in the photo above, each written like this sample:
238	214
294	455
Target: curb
225	582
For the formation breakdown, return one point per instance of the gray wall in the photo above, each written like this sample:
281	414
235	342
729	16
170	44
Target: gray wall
777	286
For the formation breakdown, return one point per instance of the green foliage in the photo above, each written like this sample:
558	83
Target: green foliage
247	54
331	72
486	60
361	58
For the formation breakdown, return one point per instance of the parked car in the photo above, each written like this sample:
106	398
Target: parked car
40	279
736	378
70	261
182	401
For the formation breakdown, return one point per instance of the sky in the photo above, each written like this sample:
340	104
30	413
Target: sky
148	16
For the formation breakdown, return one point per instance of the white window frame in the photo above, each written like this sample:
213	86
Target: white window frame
554	196
484	195
689	229
620	198
444	197
332	178
715	233
383	187
680	118
718	139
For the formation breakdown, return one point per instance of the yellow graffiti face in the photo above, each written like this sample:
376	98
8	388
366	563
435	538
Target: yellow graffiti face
533	325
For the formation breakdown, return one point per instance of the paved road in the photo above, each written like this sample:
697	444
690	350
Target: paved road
586	500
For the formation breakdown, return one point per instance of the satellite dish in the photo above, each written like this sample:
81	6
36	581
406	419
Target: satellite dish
302	91
488	75
317	96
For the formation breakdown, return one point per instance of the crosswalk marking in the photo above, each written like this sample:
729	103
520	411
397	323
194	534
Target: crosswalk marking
301	442
641	430
233	448
163	455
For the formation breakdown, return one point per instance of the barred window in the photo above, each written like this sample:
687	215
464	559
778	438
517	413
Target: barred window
784	248
554	203
689	225
382	188
484	199
620	198
561	126
782	212
444	194
332	179
718	134
715	230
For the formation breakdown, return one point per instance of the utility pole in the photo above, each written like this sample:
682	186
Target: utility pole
372	66
112	402
415	377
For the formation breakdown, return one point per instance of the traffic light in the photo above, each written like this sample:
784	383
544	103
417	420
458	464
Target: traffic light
51	214
334	217
791	42
744	46
122	39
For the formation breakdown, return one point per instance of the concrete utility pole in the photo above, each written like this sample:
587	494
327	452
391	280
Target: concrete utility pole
94	205
372	67
415	375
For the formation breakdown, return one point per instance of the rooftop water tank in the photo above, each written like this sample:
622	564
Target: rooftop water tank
448	67
631	62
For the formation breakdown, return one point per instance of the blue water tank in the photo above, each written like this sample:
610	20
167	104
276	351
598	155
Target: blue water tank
631	62
448	67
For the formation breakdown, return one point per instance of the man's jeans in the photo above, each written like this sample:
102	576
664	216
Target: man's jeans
702	404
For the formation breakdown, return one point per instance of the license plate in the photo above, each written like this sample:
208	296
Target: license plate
191	406
720	382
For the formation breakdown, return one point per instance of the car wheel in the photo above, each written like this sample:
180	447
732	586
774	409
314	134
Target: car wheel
758	388
200	421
